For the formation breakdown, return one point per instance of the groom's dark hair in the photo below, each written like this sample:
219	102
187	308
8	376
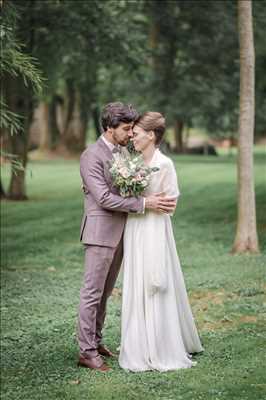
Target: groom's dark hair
115	113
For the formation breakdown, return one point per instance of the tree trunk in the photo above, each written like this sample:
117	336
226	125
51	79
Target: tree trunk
53	120
73	136
186	140
84	119
154	41
69	104
44	131
3	148
178	132
96	120
19	100
45	134
2	191
246	239
17	186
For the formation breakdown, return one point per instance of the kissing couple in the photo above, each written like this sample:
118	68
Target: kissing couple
158	330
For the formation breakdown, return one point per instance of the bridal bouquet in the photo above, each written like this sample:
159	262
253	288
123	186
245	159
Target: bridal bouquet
130	174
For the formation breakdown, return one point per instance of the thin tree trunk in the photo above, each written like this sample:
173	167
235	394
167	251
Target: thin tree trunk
17	186
67	142
246	239
2	191
53	120
186	140
45	134
153	41
178	132
3	147
67	130
73	138
84	118
96	120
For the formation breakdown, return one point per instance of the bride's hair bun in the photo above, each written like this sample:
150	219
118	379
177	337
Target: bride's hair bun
152	121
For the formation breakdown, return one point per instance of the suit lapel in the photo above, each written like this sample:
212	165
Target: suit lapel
106	156
104	148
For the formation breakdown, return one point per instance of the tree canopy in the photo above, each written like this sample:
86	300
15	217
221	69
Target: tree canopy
179	57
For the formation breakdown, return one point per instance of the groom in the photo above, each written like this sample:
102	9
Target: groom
105	214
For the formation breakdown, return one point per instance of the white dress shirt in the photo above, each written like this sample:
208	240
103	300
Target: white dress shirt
109	144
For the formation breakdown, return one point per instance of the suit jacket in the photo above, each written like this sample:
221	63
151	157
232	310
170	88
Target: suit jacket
105	211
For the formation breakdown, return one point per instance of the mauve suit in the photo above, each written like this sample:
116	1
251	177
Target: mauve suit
102	228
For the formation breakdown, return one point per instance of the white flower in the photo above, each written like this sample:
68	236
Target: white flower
124	172
144	182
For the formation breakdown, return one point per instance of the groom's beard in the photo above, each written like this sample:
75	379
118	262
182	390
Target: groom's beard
122	142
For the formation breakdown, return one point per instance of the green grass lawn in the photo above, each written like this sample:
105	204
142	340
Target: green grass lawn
42	268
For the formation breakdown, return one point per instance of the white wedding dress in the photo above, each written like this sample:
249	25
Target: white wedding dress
158	330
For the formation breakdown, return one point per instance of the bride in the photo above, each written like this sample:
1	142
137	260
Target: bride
158	329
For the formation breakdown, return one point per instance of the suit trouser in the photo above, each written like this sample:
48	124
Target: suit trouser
102	265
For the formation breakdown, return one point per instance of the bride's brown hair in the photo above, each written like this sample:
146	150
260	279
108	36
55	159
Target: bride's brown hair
152	121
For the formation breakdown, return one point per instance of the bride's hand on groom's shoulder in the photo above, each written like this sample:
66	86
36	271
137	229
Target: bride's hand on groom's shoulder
161	203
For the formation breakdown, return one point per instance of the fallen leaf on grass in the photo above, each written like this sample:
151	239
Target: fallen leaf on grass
76	382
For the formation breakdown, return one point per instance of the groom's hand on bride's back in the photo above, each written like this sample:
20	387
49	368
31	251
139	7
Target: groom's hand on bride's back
161	203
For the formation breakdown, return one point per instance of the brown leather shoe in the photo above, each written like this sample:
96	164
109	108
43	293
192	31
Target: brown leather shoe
93	363
104	351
